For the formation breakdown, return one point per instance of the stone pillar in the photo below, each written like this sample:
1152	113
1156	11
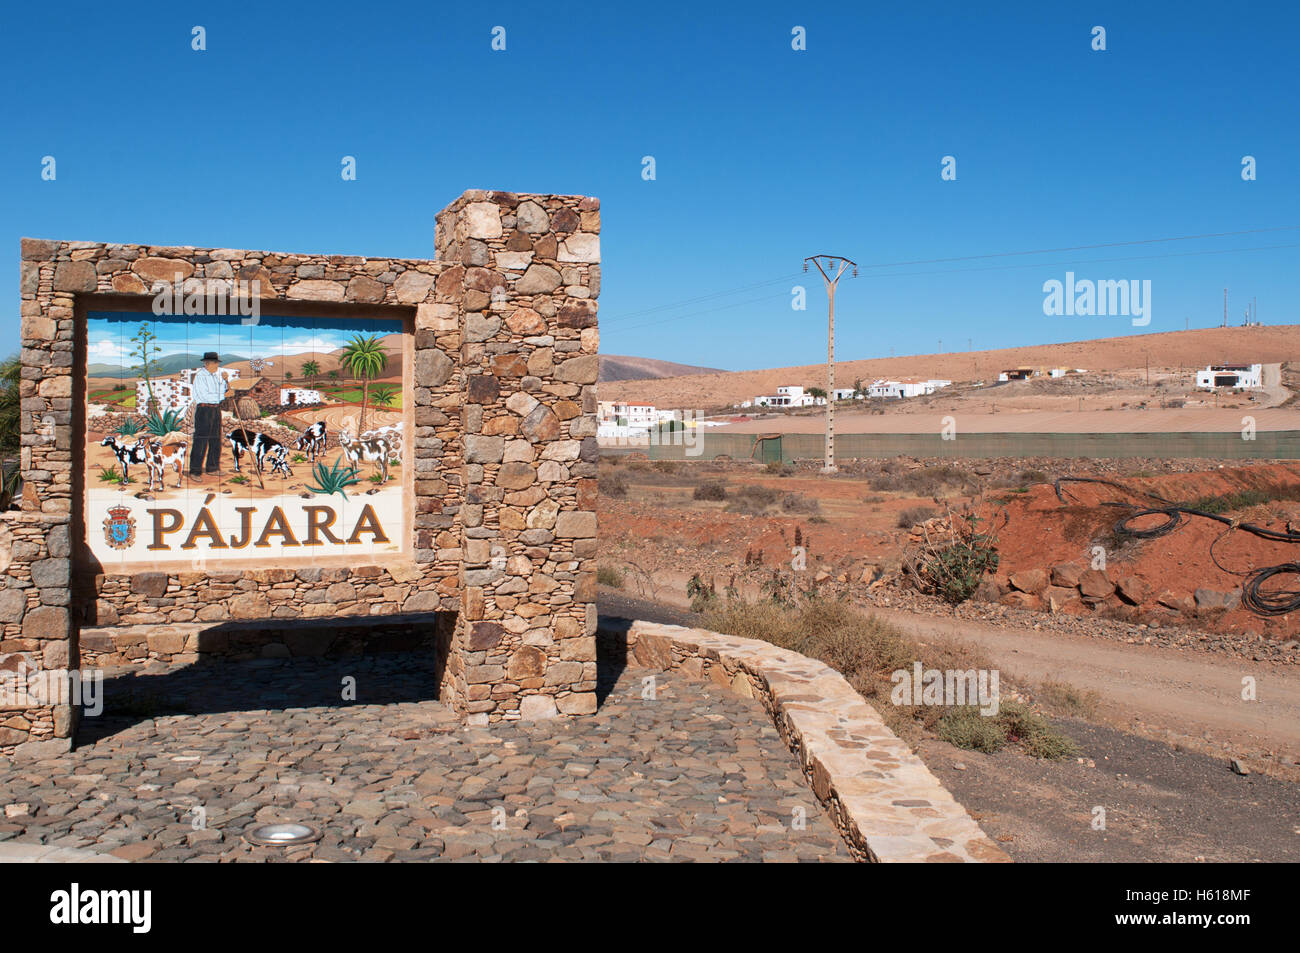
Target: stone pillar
39	632
527	269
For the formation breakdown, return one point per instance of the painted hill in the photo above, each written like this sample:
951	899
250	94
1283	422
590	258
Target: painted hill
167	364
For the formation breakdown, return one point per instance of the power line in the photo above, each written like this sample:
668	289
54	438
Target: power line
948	271
1083	261
685	301
606	322
693	314
1045	251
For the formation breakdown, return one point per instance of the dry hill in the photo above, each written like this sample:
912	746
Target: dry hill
1170	349
617	367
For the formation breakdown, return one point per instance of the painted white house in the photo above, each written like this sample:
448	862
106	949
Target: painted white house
1245	376
170	393
229	373
298	396
174	393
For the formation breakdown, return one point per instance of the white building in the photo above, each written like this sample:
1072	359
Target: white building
789	397
907	387
638	416
297	396
170	394
1246	376
615	433
229	373
174	393
845	393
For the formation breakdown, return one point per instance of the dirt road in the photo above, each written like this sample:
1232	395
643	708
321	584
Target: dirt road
1188	420
1128	798
1179	697
1183	698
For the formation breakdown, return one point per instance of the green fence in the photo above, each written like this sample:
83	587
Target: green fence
706	445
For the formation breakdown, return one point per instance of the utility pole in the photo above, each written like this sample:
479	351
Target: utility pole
1225	307
831	268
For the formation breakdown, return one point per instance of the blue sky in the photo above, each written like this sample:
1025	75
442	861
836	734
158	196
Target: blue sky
763	155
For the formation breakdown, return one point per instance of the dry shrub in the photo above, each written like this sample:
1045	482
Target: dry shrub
867	650
916	514
611	484
798	503
753	500
926	481
711	490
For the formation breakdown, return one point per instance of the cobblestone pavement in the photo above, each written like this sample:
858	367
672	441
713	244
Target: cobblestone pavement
696	774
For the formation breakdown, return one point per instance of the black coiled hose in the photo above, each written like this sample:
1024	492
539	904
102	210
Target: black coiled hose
1274	603
1279	602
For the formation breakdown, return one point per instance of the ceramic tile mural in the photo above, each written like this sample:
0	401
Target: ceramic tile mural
215	439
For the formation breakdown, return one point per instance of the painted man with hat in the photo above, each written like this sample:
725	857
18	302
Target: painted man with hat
209	390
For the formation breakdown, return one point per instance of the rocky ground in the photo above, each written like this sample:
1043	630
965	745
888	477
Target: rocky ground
1158	801
185	759
857	530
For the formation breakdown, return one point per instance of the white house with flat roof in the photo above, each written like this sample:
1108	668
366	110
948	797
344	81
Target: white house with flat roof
907	387
175	392
789	396
299	396
1244	376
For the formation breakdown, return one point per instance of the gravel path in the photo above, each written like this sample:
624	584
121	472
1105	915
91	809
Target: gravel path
694	774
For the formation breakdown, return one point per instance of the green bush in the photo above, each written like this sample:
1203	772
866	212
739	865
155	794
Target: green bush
333	479
159	425
964	726
10	402
954	571
609	576
703	595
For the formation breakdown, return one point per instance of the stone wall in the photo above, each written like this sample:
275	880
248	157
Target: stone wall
881	796
505	342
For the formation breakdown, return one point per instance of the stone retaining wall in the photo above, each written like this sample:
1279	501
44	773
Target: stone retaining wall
884	800
505	342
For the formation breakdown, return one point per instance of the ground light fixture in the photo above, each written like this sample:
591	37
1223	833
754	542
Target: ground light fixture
281	835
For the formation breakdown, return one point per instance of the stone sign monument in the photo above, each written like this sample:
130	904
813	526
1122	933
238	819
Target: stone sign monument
225	450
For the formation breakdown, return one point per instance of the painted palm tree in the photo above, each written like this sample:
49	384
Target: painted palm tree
365	358
310	369
384	395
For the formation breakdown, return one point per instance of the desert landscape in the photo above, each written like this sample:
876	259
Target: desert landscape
1122	598
1171	356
